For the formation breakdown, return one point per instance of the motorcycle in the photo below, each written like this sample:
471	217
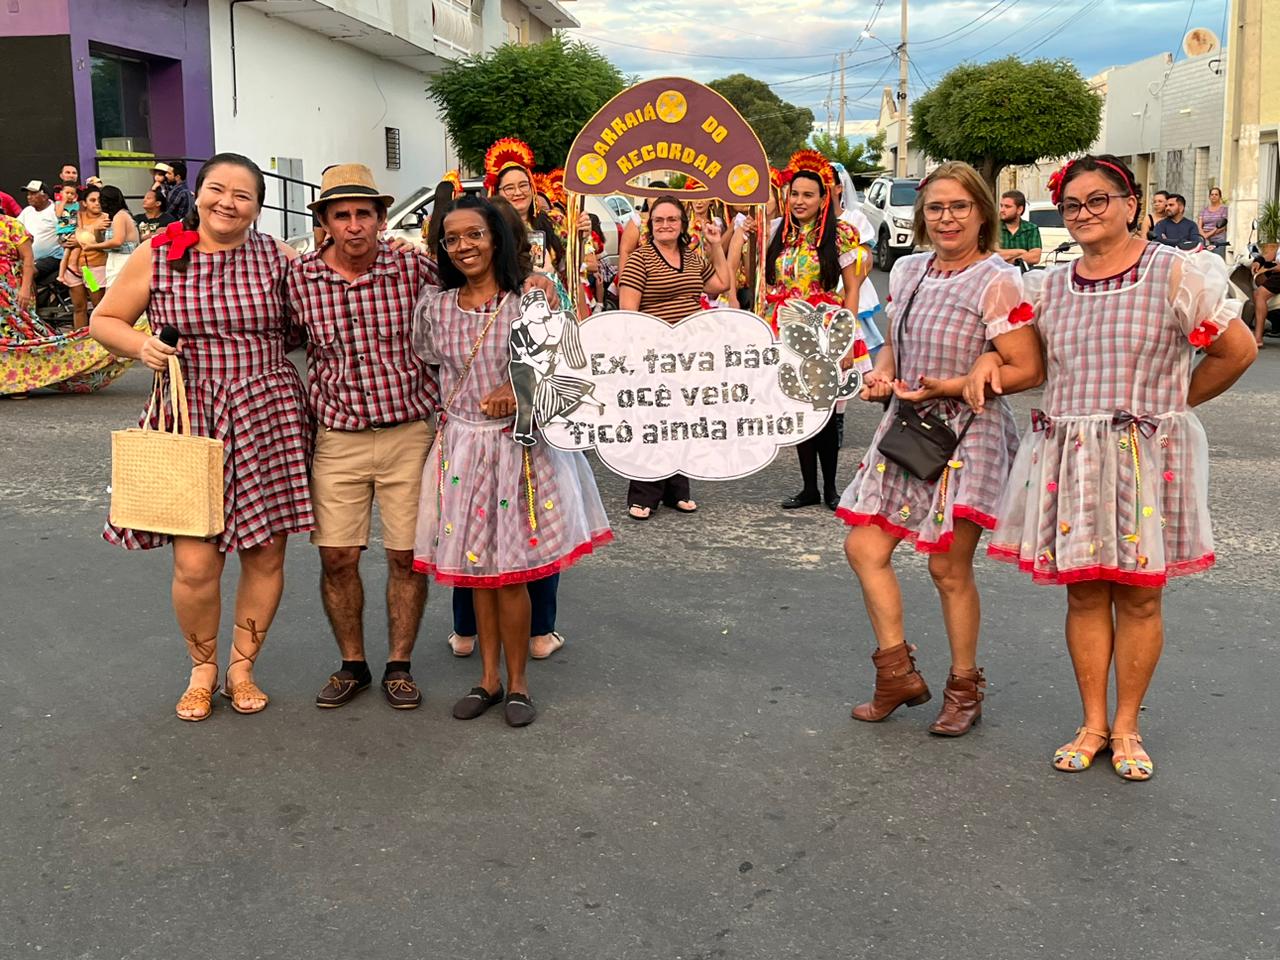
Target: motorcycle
1243	287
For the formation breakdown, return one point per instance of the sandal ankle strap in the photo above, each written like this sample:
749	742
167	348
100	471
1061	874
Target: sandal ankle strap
206	650
259	637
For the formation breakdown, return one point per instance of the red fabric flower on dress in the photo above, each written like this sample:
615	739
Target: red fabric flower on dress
1202	335
1021	313
178	239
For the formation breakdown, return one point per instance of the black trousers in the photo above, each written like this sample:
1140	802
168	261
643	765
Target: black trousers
823	448
650	493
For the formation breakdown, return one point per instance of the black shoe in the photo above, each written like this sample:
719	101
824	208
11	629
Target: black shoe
802	499
401	691
519	710
476	702
831	499
342	689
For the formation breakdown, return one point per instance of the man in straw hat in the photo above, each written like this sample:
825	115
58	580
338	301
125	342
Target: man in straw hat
374	403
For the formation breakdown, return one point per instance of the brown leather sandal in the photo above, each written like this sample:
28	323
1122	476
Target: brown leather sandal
202	653
243	693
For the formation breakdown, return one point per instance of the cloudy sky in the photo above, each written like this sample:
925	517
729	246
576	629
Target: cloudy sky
793	44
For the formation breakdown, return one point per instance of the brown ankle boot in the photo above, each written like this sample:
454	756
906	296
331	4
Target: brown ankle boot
961	703
897	682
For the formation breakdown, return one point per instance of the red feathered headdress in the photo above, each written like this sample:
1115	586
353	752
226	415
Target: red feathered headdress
810	161
555	187
691	183
503	155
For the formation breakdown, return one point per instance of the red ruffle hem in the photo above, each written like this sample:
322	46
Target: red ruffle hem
942	545
1129	578
515	576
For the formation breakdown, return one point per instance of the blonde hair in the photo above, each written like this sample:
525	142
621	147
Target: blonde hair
972	183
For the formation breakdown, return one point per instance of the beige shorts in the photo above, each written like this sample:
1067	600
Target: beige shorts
349	469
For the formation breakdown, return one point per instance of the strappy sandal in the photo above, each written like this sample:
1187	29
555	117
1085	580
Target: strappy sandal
1126	761
634	512
1074	757
198	699
245	691
557	641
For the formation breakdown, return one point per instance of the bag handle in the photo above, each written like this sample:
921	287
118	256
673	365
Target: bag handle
475	349
177	400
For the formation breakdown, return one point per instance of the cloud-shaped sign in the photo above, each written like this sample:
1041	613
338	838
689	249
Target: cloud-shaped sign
713	396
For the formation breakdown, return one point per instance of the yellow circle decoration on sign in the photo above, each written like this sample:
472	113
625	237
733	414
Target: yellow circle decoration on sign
743	179
592	169
671	106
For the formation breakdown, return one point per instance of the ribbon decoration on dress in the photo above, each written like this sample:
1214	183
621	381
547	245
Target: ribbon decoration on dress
178	239
1041	422
1147	425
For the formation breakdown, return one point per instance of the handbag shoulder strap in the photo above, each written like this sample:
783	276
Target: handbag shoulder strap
900	324
475	349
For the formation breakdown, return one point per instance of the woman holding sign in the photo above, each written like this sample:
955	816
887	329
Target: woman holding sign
666	278
495	515
947	308
817	257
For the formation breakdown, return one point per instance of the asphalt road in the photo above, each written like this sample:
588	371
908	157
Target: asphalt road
693	788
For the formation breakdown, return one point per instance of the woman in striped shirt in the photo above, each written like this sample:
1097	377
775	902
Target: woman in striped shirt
668	280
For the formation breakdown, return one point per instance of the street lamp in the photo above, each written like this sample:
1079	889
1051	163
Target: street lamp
900	51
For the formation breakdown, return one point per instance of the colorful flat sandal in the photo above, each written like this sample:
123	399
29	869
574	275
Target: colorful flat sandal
1127	761
1074	757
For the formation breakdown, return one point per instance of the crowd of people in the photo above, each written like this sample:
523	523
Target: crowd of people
409	401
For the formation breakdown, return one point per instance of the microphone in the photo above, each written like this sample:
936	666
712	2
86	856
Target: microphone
169	336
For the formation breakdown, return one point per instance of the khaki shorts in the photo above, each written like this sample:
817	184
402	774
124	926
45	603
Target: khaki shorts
351	468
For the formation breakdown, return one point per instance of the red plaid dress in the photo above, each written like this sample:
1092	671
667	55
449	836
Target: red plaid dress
1111	481
493	512
230	311
950	322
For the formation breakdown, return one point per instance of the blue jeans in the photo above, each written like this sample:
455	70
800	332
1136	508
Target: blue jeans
542	604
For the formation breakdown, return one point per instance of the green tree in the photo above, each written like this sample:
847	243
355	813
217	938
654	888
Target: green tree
543	93
1007	113
783	128
857	158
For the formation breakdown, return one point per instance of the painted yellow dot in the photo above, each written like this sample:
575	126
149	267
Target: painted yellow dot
472	557
448	529
880	468
548	504
1147	511
671	106
592	169
743	179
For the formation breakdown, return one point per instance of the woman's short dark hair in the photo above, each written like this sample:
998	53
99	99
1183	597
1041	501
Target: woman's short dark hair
684	240
506	269
192	220
828	249
113	200
1116	172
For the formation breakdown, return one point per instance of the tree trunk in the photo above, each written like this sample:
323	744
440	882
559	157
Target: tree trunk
990	171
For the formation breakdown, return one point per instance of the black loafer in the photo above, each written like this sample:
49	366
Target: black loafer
401	691
832	500
476	702
341	689
519	710
801	499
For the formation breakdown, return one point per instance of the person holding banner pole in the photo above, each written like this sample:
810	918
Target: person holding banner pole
947	308
666	278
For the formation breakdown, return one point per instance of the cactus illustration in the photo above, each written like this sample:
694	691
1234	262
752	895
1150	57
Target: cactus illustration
820	344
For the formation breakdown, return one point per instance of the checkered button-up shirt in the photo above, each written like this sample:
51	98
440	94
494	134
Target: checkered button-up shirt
360	358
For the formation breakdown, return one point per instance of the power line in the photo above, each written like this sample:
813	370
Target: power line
978	19
1057	28
745	33
1012	33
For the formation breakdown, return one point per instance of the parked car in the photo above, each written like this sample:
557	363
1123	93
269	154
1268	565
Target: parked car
1057	245
409	214
889	207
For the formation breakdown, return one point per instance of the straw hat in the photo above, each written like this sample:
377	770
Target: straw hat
348	181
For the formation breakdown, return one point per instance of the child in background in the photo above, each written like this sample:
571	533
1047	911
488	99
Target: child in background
67	209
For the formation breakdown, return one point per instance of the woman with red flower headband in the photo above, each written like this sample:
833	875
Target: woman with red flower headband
816	256
947	308
221	284
1109	491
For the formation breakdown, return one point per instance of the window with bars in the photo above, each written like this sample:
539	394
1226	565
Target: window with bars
393	147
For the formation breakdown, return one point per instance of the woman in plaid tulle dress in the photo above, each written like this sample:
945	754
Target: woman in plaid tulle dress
220	283
1109	492
495	515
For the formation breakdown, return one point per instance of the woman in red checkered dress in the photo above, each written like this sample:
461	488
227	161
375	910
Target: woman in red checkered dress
1109	492
947	308
221	284
494	515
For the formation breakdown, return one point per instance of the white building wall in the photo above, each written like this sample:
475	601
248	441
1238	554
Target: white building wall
305	96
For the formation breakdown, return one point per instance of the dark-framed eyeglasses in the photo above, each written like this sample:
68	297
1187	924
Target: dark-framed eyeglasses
1096	205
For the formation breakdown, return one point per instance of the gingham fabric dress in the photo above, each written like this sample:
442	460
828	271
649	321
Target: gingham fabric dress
950	323
229	309
1111	481
488	516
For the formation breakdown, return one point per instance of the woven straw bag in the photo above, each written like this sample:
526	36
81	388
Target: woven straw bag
167	481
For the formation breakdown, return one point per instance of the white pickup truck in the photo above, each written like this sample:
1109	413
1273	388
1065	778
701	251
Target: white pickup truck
889	206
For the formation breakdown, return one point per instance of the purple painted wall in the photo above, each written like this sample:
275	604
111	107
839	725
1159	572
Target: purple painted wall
34	18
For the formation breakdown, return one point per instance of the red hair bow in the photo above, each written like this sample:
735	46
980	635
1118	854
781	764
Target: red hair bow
1055	182
178	239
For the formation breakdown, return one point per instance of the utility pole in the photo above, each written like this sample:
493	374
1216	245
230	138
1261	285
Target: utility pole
902	96
842	94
